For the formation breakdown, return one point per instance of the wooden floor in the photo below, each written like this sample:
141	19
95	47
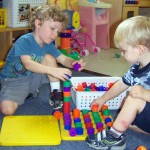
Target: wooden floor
106	63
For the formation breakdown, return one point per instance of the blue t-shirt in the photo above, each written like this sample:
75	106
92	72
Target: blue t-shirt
25	45
136	76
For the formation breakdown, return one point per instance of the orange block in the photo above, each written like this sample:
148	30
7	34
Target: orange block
57	115
76	113
141	148
104	107
79	87
95	108
67	94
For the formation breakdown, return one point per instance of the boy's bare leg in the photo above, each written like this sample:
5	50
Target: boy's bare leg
131	107
8	107
49	60
56	97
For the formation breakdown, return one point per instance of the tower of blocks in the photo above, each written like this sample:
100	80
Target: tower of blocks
80	123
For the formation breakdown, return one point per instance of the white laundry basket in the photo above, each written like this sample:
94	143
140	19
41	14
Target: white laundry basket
83	99
18	11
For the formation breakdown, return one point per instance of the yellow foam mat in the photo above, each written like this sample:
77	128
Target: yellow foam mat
30	130
65	133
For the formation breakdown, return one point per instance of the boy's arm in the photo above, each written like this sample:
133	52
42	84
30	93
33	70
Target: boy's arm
36	67
65	61
115	90
140	92
33	66
69	62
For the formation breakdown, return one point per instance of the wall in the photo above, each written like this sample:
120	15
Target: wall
115	17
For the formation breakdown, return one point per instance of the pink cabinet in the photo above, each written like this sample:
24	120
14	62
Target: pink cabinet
96	21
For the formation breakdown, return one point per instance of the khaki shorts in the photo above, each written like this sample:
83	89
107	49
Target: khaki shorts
17	89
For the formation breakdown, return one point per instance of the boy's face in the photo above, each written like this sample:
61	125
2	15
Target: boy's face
47	32
131	54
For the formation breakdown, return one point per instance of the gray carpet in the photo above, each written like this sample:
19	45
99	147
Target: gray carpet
40	106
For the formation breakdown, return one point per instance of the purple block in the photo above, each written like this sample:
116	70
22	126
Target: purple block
66	89
87	120
67	115
76	67
72	132
90	131
99	125
67	121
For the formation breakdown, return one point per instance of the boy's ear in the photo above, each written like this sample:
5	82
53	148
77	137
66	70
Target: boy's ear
37	23
141	49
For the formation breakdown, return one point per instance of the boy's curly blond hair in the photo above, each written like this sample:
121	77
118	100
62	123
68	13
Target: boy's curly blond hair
46	12
133	31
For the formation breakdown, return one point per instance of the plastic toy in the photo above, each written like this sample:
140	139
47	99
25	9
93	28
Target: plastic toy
67	96
65	40
76	66
72	132
141	148
82	39
68	76
57	115
2	63
117	55
95	108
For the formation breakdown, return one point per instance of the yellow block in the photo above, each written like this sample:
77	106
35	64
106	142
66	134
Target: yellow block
30	130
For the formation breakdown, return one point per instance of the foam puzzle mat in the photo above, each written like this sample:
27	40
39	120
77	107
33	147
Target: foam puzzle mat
30	130
65	133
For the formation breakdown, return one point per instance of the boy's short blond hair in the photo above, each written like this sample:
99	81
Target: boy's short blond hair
46	12
133	31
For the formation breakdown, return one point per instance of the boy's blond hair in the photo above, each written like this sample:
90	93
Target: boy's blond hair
47	12
133	31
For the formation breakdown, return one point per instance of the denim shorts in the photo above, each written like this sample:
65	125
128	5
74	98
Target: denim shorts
17	89
142	120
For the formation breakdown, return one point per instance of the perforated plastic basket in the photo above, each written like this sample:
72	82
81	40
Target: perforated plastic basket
83	99
18	11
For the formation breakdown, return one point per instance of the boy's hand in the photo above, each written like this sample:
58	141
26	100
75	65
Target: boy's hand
138	92
81	62
61	73
98	101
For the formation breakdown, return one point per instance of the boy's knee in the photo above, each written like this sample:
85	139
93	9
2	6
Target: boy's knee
8	111
49	58
8	108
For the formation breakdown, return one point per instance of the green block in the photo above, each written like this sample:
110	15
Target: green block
106	112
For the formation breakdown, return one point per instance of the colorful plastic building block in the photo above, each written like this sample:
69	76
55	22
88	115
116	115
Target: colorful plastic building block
57	115
76	66
141	148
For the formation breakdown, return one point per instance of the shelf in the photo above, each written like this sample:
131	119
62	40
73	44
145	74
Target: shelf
141	3
95	5
14	29
7	36
144	3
